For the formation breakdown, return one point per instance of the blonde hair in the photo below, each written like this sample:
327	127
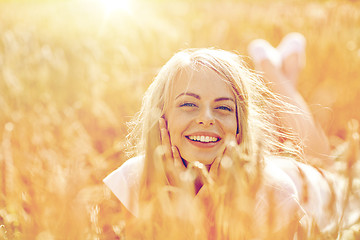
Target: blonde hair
255	104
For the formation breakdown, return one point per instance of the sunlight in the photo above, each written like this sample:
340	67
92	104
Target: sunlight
114	5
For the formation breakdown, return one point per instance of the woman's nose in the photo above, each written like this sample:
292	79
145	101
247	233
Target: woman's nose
206	117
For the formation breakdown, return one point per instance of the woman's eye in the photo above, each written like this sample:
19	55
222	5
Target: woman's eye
187	105
225	108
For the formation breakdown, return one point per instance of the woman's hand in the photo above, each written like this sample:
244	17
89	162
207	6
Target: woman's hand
173	163
218	169
176	172
224	158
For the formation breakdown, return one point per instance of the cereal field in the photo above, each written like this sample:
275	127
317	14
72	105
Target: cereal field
72	73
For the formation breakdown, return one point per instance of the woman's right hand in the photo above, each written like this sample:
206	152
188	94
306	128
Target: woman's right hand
173	163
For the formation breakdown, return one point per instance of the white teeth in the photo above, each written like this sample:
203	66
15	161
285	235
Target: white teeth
203	139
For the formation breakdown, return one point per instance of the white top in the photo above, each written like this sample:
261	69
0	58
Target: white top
286	174
124	182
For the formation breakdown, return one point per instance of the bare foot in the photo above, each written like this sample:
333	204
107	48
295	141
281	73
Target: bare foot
268	60
292	52
261	50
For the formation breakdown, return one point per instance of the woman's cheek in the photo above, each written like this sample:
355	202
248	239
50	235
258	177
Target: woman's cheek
229	123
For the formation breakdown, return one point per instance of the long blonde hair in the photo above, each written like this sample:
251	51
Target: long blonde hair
256	105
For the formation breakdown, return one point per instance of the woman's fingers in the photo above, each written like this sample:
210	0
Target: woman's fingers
165	140
171	152
174	165
177	159
172	161
223	159
215	165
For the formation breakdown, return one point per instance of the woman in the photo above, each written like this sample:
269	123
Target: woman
208	121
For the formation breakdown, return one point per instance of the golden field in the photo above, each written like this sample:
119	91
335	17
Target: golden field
73	73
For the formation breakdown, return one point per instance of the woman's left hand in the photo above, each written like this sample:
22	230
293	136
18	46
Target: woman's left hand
223	159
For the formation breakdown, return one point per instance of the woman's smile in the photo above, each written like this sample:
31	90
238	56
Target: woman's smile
204	139
201	114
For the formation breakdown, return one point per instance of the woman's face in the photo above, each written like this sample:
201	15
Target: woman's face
201	115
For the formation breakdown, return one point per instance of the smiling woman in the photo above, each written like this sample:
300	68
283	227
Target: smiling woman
201	114
206	141
202	103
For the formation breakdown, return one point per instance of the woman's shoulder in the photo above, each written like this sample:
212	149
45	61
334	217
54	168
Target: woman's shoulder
129	171
124	182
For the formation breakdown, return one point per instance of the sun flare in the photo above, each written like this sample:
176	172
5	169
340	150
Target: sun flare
115	5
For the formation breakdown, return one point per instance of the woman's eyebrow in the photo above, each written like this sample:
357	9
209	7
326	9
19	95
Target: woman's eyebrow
224	99
189	94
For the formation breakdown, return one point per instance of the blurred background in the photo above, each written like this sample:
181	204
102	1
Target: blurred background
72	73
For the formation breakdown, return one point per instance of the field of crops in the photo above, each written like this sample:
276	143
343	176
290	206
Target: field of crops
73	73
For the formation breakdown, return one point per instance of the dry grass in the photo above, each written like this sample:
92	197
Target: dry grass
70	77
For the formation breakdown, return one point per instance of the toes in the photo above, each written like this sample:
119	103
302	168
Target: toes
292	43
292	52
261	50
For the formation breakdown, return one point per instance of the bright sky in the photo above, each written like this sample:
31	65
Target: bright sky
109	6
114	5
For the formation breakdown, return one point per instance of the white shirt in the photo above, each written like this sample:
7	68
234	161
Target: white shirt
300	185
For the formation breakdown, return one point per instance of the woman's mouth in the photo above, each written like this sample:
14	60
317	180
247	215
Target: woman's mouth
203	139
